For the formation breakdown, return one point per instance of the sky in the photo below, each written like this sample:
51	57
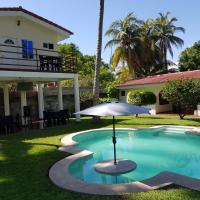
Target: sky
81	17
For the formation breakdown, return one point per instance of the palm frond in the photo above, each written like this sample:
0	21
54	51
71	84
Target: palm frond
111	43
180	29
116	57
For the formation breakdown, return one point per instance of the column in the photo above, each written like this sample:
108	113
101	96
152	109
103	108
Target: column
23	103
76	97
60	96
198	110
40	100
6	100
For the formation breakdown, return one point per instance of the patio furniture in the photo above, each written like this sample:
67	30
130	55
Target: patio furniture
1	125
44	65
53	118
47	118
62	117
8	123
56	64
17	121
50	63
27	116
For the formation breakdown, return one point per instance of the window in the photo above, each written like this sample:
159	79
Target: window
27	49
48	45
51	46
9	41
45	45
122	93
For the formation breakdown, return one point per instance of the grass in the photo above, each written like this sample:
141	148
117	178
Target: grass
26	157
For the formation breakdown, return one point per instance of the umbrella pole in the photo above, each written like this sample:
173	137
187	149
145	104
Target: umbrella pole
114	141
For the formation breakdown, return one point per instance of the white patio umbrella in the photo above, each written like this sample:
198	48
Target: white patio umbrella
113	109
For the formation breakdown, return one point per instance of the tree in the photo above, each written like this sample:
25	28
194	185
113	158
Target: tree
142	46
141	97
123	75
165	31
96	88
190	58
85	65
125	36
183	94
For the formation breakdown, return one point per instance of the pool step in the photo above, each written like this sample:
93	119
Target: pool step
177	130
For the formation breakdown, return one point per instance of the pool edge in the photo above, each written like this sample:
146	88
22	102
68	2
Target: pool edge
59	175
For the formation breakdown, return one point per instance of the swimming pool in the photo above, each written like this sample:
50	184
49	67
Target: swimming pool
155	150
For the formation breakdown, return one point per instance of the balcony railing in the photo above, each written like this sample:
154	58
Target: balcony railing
15	58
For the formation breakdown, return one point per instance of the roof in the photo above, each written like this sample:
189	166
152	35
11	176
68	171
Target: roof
162	78
20	9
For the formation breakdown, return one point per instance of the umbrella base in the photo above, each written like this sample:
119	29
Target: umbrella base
108	166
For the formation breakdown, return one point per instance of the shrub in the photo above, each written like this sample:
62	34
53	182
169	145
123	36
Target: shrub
183	94
111	90
86	99
141	97
107	99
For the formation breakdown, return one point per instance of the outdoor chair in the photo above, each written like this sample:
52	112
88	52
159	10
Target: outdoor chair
2	131
46	118
50	63
67	114
57	63
53	117
17	121
9	124
44	65
62	117
27	116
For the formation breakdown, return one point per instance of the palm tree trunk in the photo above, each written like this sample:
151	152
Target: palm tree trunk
96	86
130	63
165	59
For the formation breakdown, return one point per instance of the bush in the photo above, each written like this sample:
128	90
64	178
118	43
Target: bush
86	99
183	94
107	99
141	97
111	90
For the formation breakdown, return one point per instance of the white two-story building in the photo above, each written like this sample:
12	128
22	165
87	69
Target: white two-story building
28	56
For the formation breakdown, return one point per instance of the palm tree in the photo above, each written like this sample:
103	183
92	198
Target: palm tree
125	36
98	55
143	45
166	38
149	52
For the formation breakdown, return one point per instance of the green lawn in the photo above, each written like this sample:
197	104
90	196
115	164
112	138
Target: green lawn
26	157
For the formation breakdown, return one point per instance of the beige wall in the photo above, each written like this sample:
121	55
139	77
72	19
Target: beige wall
26	30
155	88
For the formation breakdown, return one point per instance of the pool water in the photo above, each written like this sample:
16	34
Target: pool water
153	149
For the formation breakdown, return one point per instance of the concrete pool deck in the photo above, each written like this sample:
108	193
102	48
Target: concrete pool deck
59	175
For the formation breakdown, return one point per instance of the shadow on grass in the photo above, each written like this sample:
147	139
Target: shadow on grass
85	124
26	157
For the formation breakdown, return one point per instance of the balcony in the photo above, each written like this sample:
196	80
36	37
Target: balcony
15	58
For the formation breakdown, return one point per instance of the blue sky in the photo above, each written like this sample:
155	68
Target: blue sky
81	16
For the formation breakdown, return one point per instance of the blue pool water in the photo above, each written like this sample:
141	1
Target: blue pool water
154	150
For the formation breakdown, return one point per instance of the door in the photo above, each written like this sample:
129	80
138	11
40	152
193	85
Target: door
27	54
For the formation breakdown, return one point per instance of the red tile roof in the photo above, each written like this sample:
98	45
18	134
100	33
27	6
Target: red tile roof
163	78
36	16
